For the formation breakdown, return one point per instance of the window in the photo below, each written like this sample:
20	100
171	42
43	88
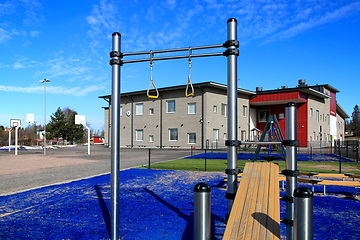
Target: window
328	119
215	109
139	135
281	115
311	112
170	106
191	108
317	115
151	111
173	134
225	137
139	109
314	135
244	111
263	115
191	138
215	135
151	138
121	110
223	110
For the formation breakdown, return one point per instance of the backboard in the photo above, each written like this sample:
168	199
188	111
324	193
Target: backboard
15	122
80	119
30	118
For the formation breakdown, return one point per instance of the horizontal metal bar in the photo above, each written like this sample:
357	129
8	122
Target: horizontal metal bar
173	50
173	57
261	143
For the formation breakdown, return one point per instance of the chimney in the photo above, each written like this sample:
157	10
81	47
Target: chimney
302	82
258	89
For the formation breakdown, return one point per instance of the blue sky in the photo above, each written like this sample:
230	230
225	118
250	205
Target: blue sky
69	42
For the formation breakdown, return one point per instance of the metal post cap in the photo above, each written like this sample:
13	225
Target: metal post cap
303	192
116	34
290	104
202	187
231	20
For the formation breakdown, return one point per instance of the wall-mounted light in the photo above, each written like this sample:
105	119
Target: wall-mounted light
123	126
181	125
157	126
145	126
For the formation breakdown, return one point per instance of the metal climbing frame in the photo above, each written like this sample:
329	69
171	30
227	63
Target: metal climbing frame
116	62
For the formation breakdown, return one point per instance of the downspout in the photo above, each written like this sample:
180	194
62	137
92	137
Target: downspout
132	122
202	117
249	120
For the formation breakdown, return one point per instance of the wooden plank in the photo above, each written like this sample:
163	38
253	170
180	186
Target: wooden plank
265	205
237	209
250	202
261	200
276	192
256	209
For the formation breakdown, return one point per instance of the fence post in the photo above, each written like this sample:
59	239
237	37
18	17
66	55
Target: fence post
339	159
202	211
303	210
191	151
311	153
149	156
357	151
205	160
347	148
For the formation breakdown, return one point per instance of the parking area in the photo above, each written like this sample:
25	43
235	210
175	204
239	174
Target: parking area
31	169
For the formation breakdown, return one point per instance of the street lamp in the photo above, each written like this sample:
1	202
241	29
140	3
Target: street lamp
45	81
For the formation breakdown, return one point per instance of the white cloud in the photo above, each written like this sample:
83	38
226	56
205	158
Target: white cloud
4	35
345	11
102	16
74	91
34	33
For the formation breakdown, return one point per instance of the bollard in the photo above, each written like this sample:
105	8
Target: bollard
202	211
303	212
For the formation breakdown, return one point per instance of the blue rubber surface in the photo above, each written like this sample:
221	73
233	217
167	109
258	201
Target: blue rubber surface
246	156
154	204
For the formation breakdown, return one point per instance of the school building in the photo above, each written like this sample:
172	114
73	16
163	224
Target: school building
175	121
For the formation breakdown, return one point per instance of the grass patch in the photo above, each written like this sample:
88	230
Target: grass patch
219	165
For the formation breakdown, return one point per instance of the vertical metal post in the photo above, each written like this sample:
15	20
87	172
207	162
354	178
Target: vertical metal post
10	139
115	135
291	166
88	140
149	157
357	151
16	140
202	212
232	53
44	116
304	205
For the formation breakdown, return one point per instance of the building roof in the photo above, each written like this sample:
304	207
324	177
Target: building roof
341	111
204	84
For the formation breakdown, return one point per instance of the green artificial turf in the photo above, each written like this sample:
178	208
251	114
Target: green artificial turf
219	165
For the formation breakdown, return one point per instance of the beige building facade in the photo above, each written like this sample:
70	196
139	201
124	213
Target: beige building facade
176	121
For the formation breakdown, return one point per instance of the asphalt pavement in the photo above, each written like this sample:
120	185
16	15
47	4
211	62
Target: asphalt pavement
31	169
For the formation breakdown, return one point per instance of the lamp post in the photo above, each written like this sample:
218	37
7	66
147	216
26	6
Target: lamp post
45	81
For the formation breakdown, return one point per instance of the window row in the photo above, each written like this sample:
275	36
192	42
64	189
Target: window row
224	110
173	136
320	117
170	108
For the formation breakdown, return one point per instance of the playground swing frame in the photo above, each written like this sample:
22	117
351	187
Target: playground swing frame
232	170
116	62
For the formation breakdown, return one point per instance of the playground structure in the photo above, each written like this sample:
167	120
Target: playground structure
232	170
16	124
